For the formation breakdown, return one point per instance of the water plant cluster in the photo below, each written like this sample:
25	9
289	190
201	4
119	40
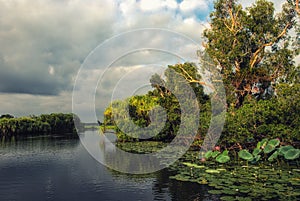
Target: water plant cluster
265	150
234	180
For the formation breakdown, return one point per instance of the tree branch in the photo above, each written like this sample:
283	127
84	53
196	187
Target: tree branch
258	51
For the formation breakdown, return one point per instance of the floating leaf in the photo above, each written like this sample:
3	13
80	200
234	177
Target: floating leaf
269	148
283	149
223	158
292	154
193	165
244	154
228	198
215	192
273	156
212	171
274	142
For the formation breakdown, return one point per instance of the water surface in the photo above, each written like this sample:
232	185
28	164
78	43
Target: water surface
61	169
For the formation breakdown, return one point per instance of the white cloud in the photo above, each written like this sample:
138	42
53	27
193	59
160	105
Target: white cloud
190	6
155	5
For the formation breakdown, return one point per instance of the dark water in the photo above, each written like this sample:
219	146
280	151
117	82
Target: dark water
47	169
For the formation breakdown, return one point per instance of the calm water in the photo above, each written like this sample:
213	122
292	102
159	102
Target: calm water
45	169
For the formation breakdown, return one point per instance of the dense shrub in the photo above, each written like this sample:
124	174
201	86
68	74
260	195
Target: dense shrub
255	120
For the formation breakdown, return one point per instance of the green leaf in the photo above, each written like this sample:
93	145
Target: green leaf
273	156
244	154
269	148
212	171
263	142
292	154
283	149
274	142
223	158
215	154
193	165
208	154
256	159
225	152
258	145
256	151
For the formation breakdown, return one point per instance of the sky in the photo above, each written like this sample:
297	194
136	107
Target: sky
45	43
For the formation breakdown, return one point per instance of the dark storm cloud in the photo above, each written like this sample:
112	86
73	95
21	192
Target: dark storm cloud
43	44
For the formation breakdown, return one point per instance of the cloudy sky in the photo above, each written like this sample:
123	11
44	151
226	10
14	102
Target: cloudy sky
44	43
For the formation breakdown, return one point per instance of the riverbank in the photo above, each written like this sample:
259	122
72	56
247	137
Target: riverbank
55	124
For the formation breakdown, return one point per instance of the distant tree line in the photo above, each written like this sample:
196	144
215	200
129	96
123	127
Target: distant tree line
45	124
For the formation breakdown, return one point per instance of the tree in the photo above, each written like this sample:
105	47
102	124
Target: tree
7	116
252	47
167	93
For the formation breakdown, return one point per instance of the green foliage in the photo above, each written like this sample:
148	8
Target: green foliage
134	113
223	158
274	118
270	150
237	182
273	156
256	151
56	123
208	154
252	48
246	155
217	156
292	154
282	150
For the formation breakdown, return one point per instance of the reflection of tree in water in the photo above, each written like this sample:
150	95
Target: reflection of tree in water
42	144
164	188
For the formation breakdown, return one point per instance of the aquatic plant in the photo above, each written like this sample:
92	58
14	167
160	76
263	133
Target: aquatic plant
271	151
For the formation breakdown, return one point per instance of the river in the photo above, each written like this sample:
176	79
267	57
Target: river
62	169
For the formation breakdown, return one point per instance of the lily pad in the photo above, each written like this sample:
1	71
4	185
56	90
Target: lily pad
211	171
193	165
283	149
215	192
292	154
274	142
269	148
244	154
223	158
228	198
